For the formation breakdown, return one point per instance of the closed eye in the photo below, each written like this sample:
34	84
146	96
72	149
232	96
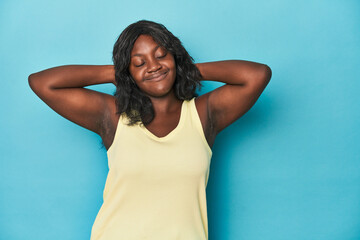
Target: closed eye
139	65
163	55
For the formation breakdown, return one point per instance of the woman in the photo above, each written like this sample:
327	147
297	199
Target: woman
157	131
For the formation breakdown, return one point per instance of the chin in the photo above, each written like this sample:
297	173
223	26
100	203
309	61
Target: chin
160	92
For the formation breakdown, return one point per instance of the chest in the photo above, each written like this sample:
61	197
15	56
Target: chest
136	156
162	126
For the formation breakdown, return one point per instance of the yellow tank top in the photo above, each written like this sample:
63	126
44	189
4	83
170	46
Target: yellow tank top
156	186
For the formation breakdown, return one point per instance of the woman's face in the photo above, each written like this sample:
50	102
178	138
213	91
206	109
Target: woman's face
152	67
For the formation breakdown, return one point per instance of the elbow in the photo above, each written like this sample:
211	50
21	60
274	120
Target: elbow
267	73
36	84
30	77
31	81
262	78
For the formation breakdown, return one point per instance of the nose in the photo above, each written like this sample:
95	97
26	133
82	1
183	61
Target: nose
153	65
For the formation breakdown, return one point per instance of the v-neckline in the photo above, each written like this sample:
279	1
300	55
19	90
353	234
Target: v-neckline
170	134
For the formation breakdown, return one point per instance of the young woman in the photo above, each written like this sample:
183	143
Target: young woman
157	131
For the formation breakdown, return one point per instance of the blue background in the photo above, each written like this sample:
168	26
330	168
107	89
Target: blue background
288	169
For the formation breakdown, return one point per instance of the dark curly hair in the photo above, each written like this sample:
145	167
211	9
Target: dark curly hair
128	96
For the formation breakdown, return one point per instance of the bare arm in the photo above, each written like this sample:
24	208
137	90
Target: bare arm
245	81
62	89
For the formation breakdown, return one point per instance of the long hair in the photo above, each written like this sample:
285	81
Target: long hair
128	96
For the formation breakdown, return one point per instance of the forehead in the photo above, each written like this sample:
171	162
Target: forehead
143	44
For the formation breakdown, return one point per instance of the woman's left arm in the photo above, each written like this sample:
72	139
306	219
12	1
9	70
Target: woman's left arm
245	81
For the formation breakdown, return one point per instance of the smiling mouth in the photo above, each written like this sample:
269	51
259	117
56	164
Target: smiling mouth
158	77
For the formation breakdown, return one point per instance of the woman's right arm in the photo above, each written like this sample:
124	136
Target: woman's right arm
62	89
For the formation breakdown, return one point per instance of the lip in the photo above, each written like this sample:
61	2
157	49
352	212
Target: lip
157	76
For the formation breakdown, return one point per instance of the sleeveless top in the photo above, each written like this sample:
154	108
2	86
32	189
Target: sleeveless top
156	186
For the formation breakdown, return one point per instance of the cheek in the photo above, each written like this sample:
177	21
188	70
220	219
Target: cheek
172	66
174	70
135	74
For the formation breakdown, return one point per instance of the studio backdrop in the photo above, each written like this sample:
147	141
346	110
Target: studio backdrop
288	169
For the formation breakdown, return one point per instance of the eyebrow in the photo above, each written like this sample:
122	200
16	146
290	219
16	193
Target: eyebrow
138	54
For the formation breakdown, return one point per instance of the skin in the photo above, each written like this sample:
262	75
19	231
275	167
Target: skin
147	59
62	89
